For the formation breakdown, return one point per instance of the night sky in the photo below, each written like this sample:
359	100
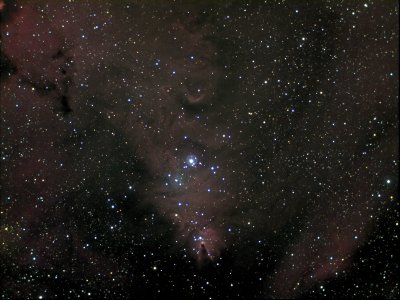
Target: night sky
212	149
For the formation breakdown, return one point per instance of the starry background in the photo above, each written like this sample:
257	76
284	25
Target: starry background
212	149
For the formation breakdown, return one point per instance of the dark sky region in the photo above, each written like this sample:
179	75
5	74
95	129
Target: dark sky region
212	149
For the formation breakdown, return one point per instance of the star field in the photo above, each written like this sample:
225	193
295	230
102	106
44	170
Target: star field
213	149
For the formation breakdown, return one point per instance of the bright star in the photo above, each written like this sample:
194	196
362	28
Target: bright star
191	160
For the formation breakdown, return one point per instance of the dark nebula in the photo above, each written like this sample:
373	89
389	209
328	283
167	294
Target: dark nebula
212	149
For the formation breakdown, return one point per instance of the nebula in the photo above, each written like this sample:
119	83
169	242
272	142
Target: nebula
222	149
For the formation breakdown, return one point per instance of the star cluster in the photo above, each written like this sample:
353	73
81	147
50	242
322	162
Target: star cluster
220	149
